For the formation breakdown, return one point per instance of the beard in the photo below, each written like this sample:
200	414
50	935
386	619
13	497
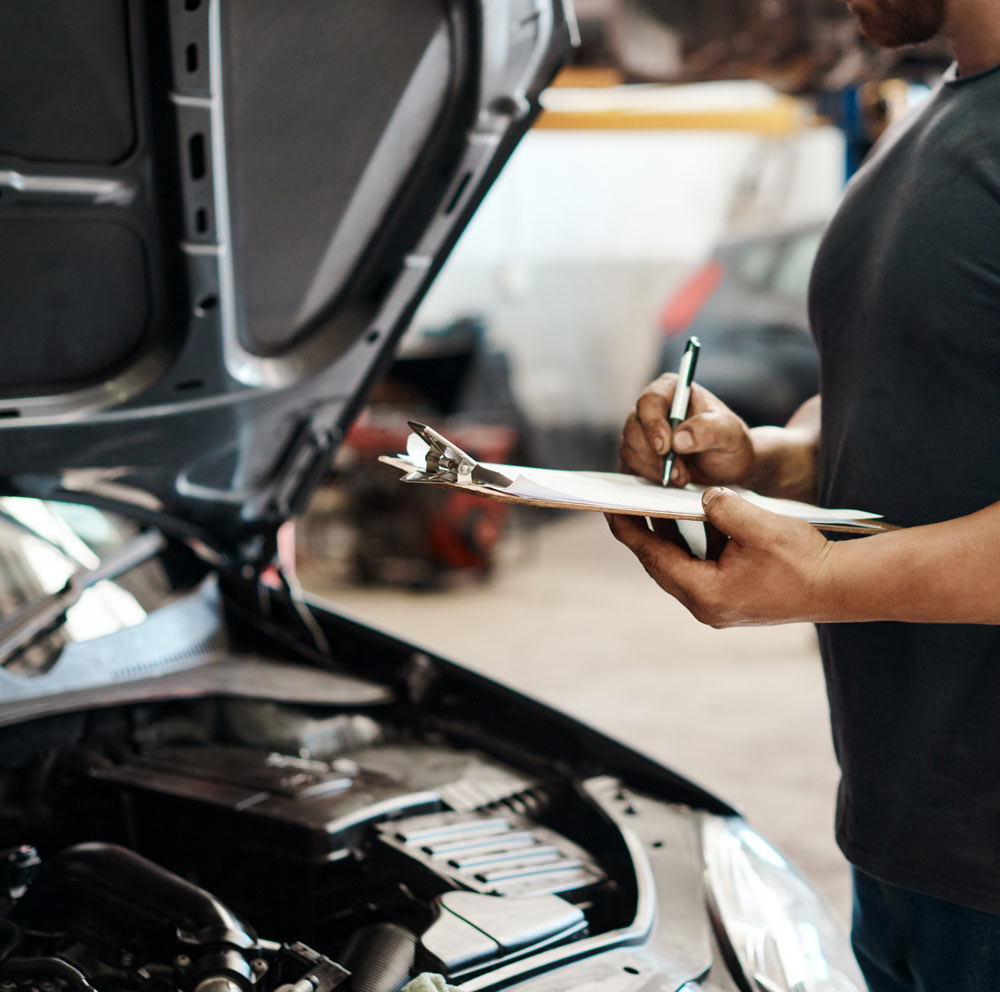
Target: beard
893	23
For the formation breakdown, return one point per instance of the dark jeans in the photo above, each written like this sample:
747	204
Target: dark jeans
907	942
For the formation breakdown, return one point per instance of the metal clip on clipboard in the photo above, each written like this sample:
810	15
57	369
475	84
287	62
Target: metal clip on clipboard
447	462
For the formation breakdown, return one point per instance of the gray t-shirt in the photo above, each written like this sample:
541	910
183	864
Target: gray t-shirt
905	307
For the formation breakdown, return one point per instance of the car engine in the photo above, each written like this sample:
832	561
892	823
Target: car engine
228	845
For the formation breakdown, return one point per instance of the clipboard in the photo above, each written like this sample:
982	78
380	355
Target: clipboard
431	459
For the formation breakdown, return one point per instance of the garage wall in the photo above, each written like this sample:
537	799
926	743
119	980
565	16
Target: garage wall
586	233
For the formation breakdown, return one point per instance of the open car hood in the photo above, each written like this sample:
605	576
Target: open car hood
216	219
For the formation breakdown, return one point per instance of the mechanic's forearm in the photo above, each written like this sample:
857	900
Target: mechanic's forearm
939	573
785	457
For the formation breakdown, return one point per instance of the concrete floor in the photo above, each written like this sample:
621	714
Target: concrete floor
574	620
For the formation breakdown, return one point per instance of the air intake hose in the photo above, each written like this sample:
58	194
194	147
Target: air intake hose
136	891
380	958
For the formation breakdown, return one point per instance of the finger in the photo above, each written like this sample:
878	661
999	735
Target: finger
665	529
635	447
741	521
671	567
635	454
680	474
622	526
715	541
712	430
653	412
637	457
651	550
639	460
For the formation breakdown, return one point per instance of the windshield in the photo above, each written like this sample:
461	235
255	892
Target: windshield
42	545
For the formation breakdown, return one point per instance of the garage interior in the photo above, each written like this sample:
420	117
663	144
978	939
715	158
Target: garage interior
677	127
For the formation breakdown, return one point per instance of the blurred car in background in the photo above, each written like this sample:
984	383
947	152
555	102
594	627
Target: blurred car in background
361	525
747	305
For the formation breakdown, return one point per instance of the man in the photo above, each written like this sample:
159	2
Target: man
905	307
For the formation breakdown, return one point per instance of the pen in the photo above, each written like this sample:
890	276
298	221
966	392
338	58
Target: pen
682	396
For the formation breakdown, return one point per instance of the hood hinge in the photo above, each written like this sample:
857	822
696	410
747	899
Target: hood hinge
305	461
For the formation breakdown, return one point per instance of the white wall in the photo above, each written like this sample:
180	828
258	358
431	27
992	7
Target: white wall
586	233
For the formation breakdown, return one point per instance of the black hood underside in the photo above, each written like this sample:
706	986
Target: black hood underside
217	218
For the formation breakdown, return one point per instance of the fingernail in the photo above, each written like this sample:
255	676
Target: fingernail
711	495
682	441
675	474
660	443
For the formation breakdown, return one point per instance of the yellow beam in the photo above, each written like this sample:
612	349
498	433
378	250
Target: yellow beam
785	117
588	77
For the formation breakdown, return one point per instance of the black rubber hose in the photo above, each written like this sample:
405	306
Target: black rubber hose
380	958
129	885
13	941
48	966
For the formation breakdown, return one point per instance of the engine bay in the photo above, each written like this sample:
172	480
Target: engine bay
226	845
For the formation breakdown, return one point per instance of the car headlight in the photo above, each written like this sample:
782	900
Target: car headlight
769	919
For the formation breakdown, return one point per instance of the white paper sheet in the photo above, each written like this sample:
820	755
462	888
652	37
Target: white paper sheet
629	493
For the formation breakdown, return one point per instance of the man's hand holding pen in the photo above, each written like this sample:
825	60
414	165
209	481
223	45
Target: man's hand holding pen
762	568
712	445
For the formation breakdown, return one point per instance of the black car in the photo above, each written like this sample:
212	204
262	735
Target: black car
747	306
217	218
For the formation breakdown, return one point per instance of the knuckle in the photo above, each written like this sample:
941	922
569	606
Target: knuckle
712	425
649	407
657	392
703	429
723	430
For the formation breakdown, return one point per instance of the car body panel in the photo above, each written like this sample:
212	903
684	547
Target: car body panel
198	297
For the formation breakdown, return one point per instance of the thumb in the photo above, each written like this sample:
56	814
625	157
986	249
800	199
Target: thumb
740	520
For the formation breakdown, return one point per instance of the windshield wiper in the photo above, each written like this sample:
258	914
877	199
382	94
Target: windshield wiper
35	618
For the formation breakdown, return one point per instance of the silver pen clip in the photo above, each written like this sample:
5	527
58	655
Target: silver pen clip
447	462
